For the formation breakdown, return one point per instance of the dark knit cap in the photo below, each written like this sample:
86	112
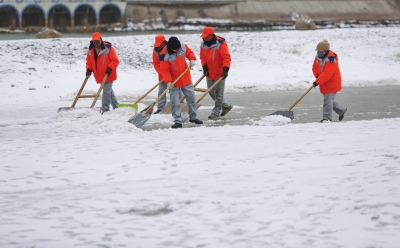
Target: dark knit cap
174	43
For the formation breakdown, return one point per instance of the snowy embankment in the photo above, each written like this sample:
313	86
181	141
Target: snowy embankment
83	179
261	61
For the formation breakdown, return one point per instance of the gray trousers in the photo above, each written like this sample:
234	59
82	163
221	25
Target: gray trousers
161	103
217	94
108	97
188	91
329	105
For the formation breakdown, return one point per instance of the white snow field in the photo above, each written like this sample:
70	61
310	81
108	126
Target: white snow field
81	179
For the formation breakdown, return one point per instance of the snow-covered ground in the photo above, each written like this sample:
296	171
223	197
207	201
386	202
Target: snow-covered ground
83	179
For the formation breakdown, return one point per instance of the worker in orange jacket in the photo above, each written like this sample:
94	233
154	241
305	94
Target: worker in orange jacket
172	65
327	76
216	60
101	59
159	45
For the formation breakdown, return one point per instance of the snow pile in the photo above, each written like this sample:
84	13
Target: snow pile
272	120
90	121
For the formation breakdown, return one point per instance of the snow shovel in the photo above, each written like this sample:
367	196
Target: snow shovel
201	98
85	96
168	108
288	113
140	119
134	105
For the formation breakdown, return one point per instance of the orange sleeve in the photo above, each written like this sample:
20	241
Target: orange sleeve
327	73
202	57
156	63
88	62
190	54
165	71
114	61
314	69
226	56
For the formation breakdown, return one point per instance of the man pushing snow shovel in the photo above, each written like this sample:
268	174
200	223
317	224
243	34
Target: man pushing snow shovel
159	45
101	59
327	77
172	64
216	60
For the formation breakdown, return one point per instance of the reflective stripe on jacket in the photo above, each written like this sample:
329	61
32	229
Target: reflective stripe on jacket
172	65
107	58
216	57
327	73
156	63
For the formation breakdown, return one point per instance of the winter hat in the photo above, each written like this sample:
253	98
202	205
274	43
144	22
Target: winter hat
323	46
174	43
96	36
158	40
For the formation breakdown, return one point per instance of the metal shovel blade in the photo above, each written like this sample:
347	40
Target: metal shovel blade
139	120
287	114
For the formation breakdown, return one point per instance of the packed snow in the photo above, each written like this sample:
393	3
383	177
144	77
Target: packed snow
78	178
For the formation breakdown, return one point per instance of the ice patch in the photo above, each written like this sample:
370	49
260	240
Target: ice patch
160	119
272	120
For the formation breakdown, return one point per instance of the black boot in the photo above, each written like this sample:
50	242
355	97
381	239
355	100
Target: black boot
342	116
177	125
196	121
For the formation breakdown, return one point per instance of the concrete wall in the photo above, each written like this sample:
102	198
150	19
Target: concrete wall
16	9
269	10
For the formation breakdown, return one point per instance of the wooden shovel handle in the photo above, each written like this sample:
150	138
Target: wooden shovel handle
209	89
149	91
198	81
80	91
165	92
100	89
294	104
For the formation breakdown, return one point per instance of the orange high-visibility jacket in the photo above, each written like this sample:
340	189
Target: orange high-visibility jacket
156	63
216	57
107	58
327	73
172	65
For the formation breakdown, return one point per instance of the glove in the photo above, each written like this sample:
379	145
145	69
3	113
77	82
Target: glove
191	64
88	72
169	85
315	84
225	72
205	70
108	72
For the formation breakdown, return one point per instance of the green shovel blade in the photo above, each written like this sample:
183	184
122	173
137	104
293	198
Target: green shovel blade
132	105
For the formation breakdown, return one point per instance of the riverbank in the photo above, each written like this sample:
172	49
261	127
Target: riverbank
134	29
276	60
190	26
